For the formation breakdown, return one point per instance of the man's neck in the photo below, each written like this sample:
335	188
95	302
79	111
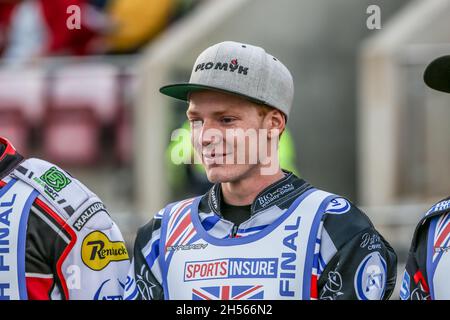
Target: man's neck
245	191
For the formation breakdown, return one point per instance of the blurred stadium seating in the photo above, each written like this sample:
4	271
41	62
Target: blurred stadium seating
77	109
71	136
22	102
95	86
13	125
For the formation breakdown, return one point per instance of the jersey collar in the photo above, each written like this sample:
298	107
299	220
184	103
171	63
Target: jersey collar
280	193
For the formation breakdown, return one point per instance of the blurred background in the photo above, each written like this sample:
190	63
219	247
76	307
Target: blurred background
85	96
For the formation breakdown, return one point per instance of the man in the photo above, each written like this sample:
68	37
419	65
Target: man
260	232
57	240
426	276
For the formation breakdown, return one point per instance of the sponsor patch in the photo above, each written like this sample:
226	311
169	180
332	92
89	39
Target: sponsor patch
88	214
370	277
56	179
269	197
97	251
338	206
370	241
53	181
231	269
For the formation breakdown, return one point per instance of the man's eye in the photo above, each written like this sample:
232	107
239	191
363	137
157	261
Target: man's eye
227	120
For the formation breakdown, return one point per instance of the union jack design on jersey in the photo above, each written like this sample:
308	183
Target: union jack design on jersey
441	236
229	293
180	229
437	262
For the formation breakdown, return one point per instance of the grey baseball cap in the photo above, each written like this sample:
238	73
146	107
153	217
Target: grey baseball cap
239	69
437	74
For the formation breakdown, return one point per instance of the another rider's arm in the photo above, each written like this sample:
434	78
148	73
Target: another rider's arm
144	273
54	246
358	262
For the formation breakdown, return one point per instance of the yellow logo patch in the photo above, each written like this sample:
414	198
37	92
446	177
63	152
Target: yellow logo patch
97	251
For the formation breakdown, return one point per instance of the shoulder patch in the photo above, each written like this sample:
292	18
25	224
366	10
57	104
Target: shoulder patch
67	195
98	251
370	278
338	206
343	227
55	178
92	215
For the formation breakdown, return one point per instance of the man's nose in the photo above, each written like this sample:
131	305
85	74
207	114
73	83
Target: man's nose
199	135
206	135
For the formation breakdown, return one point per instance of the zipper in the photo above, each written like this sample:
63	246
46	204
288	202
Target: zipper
234	231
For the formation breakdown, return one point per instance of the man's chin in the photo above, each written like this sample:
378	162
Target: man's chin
218	174
216	178
224	174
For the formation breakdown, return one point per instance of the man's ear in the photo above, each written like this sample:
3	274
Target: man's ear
276	123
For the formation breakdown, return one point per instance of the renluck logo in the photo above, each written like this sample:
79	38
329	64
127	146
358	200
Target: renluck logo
98	251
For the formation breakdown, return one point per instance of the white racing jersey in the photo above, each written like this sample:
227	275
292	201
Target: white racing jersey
299	243
16	199
91	260
274	264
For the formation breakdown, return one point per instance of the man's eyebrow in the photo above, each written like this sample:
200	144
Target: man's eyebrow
191	113
222	112
214	114
218	113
